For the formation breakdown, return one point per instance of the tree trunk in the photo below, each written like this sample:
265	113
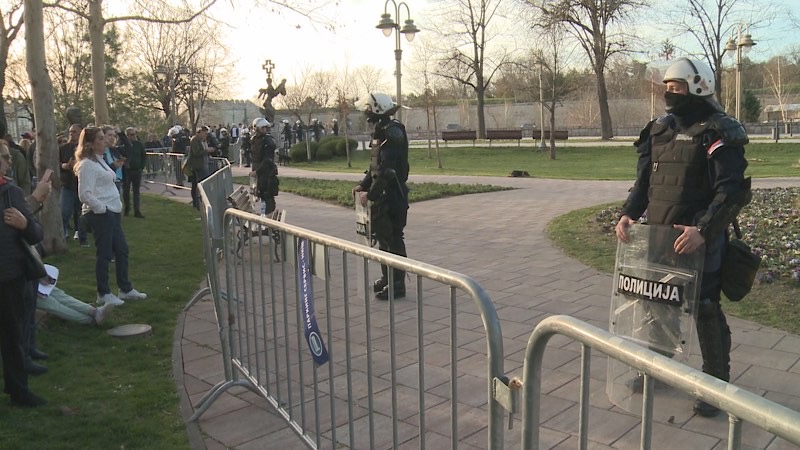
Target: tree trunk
606	129
46	148
480	90
96	26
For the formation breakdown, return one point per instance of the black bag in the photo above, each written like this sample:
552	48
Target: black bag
32	265
739	268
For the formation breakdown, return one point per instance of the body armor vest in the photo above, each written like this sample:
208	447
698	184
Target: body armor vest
680	186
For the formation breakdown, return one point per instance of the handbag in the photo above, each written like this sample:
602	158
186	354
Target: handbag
739	268
32	265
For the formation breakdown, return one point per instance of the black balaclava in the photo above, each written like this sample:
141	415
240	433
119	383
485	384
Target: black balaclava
688	109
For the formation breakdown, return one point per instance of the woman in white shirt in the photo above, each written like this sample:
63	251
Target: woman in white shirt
102	207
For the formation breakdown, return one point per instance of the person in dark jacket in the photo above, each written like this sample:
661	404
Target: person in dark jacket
224	143
70	204
199	152
690	175
132	178
18	223
385	187
263	147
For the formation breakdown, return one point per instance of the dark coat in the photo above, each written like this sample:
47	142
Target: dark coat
11	252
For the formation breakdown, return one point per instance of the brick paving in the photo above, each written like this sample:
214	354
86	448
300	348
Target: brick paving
498	239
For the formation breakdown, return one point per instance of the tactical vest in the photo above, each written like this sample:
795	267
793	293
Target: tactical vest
680	185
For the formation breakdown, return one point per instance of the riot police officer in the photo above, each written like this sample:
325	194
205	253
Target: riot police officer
316	129
335	127
385	184
262	147
300	131
690	174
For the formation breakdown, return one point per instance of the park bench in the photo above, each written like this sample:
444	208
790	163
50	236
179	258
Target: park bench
559	135
459	135
243	200
504	133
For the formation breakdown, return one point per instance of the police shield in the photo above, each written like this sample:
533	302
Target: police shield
363	234
653	303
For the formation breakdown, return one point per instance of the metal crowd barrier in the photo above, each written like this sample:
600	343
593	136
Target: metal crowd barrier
165	168
741	405
390	366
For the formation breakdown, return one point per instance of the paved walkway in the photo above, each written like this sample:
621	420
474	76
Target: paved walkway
495	228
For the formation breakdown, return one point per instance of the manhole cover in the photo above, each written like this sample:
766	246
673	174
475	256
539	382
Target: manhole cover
131	330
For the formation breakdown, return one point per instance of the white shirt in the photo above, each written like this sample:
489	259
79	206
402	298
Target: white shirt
96	187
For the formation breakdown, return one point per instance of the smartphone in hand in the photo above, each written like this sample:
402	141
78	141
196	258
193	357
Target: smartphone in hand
46	177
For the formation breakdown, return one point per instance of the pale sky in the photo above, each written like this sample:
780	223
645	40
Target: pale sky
294	43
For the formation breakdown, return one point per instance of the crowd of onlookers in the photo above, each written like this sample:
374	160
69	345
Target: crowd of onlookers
99	167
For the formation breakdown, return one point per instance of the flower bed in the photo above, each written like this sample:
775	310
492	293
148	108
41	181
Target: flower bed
770	225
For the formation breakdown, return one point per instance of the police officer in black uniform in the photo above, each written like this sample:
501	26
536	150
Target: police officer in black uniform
300	131
385	185
690	175
316	129
262	147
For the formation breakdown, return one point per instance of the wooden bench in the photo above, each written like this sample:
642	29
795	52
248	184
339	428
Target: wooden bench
242	199
504	133
559	135
459	135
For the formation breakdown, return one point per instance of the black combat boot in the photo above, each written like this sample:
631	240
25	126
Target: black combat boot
379	284
399	292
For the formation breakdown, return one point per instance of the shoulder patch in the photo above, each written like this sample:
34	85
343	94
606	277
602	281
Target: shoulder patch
714	146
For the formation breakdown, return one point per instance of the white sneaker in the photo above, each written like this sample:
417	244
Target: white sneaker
133	294
100	314
109	299
75	236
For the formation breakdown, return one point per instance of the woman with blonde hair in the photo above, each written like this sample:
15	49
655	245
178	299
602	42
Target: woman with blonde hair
102	207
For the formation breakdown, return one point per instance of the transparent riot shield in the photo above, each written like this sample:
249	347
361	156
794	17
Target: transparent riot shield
653	303
363	234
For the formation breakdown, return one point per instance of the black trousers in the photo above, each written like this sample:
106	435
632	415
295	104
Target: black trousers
11	310
391	240
132	179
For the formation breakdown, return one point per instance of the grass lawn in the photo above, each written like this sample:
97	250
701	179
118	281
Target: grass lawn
571	163
105	392
338	192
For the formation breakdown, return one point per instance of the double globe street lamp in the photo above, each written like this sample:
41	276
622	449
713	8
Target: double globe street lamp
742	42
387	25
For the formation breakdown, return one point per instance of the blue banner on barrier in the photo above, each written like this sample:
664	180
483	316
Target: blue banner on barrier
306	287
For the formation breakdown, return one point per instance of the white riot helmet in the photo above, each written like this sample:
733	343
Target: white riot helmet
379	104
261	122
696	74
285	121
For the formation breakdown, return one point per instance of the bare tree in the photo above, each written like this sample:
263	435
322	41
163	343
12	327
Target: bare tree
46	149
187	47
368	79
775	77
599	27
11	19
97	21
466	28
427	81
552	59
713	22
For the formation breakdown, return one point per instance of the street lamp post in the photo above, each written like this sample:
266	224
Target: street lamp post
171	74
387	25
745	42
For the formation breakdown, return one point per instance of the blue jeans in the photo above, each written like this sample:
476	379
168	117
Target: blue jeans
71	206
110	242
